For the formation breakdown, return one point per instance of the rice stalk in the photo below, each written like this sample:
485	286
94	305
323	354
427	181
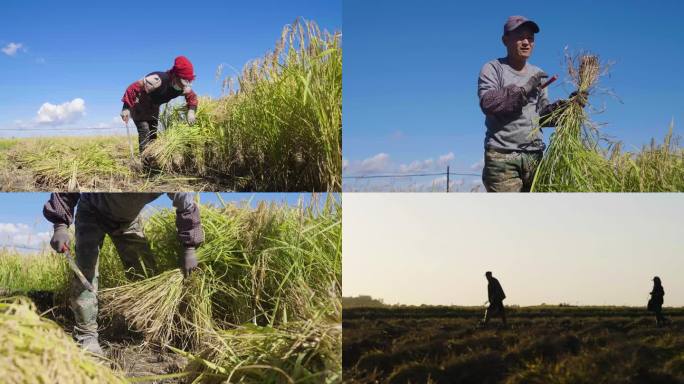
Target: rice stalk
73	163
301	352
266	266
574	160
166	308
280	130
37	350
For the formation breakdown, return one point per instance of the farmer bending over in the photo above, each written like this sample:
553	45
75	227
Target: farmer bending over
496	296
118	215
144	97
512	98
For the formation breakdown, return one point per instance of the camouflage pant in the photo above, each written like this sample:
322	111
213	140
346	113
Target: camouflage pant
132	247
509	172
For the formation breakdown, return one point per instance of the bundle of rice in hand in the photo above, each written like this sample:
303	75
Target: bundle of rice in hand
166	308
37	350
574	161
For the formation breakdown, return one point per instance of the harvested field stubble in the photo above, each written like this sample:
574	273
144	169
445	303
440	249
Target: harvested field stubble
558	345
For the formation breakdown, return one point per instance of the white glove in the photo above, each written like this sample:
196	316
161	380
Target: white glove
191	116
125	115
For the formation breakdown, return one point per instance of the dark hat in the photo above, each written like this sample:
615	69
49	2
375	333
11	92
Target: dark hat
488	273
656	278
513	22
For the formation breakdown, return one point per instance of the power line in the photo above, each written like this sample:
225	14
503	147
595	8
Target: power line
61	129
411	175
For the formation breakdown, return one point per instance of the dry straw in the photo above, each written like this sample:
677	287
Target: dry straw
36	350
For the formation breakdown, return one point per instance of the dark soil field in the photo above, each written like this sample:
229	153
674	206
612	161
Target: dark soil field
540	345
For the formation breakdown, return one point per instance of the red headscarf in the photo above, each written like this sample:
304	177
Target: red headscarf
182	67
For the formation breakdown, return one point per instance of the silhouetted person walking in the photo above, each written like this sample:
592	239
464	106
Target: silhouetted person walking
496	296
655	304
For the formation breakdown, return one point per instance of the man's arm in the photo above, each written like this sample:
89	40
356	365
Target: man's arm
147	84
59	209
189	228
191	100
495	99
188	222
546	110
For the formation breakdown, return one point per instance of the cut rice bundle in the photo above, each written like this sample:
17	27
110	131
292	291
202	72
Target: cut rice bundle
37	350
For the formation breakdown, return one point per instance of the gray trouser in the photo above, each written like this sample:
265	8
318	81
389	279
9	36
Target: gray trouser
147	132
132	247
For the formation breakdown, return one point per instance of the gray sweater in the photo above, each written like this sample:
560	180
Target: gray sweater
510	116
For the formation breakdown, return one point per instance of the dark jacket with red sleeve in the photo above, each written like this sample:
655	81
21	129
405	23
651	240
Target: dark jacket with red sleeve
144	97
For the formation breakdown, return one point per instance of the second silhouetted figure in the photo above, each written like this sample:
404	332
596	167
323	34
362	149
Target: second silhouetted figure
496	296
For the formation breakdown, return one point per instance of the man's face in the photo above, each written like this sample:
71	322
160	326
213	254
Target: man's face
520	42
181	84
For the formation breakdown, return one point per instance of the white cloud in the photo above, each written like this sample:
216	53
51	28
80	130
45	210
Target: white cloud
11	228
477	166
444	160
416	166
376	163
11	49
345	164
20	235
67	112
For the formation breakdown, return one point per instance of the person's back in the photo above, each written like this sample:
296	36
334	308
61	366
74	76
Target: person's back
495	291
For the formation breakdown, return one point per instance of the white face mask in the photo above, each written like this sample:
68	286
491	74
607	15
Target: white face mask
185	85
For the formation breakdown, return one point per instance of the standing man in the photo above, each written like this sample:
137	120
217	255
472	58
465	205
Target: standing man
496	296
511	97
655	304
117	215
142	99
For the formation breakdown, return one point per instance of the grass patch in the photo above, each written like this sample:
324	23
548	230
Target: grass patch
22	273
281	130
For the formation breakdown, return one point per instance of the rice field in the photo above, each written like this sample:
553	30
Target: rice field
277	127
547	344
579	160
263	308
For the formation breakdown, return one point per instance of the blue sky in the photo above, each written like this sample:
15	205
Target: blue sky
58	52
23	225
410	75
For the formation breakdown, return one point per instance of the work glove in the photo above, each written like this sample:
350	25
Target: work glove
191	117
534	82
188	262
125	115
580	98
60	238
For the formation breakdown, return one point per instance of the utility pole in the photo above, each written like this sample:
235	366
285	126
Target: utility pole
447	179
